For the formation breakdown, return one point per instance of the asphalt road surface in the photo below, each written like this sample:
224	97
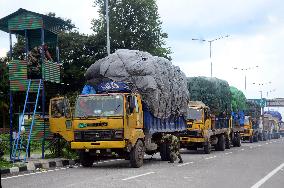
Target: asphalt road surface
252	165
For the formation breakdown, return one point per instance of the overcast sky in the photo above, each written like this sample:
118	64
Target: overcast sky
255	29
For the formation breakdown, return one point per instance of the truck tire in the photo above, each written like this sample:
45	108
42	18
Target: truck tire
227	143
255	138
85	159
260	137
220	146
251	139
165	152
137	155
238	140
264	136
207	148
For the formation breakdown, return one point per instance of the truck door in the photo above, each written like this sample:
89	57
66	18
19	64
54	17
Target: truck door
60	117
134	111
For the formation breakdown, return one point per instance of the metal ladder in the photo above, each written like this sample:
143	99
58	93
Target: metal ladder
18	145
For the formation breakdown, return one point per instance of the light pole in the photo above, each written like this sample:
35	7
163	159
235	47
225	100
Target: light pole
245	70
261	87
210	47
107	27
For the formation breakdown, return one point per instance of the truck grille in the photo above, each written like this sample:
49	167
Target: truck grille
98	135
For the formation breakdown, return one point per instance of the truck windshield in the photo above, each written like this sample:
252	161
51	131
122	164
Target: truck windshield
98	105
194	114
246	122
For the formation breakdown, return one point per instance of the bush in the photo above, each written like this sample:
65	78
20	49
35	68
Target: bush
5	143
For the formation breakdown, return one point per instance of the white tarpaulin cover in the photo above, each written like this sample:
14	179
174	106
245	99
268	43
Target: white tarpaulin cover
162	85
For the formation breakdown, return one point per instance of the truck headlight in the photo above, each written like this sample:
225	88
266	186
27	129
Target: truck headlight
118	134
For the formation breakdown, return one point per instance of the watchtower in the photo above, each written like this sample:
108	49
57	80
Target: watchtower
38	65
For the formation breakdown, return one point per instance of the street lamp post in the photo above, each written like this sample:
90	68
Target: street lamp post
245	70
107	27
210	47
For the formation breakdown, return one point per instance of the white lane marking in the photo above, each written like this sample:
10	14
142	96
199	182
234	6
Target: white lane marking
250	147
228	153
263	180
38	172
266	143
185	163
242	149
259	145
63	168
132	177
211	157
270	142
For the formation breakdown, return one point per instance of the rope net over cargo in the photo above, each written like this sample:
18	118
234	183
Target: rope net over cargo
163	86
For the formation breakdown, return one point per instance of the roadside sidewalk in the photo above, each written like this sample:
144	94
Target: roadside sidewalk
36	164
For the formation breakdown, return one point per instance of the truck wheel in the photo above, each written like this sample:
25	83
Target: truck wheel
238	140
264	137
86	160
227	143
165	152
260	137
255	138
137	155
207	148
251	139
220	146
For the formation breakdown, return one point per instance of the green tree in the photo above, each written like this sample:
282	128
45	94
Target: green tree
134	25
76	56
238	100
213	92
253	109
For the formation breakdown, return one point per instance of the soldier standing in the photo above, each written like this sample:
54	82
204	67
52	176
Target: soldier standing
34	61
174	147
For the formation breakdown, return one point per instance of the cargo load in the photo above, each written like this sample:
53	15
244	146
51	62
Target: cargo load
163	86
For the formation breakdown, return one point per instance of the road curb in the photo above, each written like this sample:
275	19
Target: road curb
42	164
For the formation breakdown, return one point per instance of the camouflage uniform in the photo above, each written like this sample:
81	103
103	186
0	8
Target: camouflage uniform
174	147
34	62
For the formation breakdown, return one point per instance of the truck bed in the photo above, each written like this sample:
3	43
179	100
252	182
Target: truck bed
168	125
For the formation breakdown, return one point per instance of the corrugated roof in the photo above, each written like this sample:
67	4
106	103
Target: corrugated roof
56	23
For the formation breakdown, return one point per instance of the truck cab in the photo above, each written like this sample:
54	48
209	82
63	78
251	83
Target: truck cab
108	125
198	127
247	133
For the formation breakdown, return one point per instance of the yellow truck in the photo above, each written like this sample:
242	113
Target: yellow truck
112	125
203	131
248	132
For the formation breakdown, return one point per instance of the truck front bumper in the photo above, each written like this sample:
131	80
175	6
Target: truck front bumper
187	140
98	145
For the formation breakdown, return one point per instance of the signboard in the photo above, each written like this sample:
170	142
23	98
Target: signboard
278	102
262	102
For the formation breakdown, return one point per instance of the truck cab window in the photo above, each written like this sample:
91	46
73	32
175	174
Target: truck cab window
57	108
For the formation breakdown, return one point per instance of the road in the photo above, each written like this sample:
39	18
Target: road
252	165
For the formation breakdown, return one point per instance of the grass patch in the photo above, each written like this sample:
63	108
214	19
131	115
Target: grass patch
5	164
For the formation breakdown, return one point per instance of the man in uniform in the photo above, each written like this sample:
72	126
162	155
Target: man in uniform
174	147
34	61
